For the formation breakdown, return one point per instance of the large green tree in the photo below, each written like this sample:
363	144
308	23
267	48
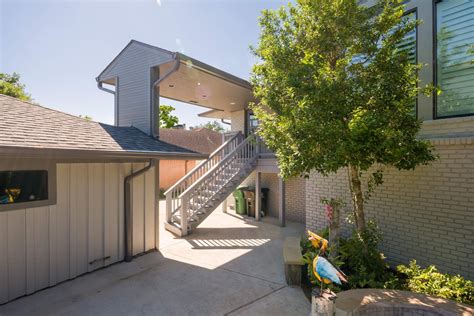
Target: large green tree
11	85
167	120
335	91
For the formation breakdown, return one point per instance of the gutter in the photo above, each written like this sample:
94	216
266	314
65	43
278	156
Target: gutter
128	208
155	106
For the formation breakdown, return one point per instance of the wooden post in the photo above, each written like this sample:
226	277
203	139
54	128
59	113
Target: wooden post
281	201
157	204
184	216
224	205
258	195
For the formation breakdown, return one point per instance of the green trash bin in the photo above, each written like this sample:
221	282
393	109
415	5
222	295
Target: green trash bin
240	204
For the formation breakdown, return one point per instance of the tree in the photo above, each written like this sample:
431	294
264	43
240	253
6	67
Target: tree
213	125
10	85
335	92
167	120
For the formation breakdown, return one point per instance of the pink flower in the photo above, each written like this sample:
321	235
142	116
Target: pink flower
329	210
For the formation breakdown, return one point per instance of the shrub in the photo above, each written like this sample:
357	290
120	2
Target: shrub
162	194
431	281
363	263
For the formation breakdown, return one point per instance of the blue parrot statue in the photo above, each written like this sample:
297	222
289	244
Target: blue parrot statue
326	273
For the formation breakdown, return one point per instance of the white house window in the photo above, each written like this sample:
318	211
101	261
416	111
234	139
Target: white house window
455	57
21	186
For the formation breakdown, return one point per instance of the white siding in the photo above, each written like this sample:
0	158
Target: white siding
42	246
133	69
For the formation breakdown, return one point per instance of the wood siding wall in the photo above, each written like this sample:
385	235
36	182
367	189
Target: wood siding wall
40	247
133	68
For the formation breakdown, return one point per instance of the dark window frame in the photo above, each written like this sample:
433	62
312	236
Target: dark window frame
50	168
435	66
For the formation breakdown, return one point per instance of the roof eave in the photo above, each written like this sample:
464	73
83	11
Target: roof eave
84	154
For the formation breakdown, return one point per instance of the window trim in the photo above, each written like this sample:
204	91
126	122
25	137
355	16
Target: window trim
435	67
10	164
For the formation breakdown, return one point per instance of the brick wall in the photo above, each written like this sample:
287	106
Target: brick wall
295	196
425	214
237	121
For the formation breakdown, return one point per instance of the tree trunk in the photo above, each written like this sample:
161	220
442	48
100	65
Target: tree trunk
334	231
357	198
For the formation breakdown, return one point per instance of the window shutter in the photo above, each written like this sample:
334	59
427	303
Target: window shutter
455	57
408	43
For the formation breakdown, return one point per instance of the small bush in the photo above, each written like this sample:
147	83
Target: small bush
431	281
363	263
162	194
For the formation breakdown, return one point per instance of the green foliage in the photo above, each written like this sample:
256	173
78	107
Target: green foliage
335	90
431	281
162	195
11	85
213	125
363	262
167	120
86	117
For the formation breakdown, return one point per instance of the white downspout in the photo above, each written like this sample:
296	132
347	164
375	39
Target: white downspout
155	107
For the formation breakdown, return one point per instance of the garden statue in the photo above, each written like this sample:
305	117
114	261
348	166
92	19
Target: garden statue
323	269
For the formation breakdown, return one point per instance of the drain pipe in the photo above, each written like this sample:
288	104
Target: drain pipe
155	106
128	208
224	122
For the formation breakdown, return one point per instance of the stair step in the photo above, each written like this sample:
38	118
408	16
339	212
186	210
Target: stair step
174	228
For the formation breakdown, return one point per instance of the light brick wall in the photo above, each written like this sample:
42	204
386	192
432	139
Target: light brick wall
425	214
295	198
294	195
237	121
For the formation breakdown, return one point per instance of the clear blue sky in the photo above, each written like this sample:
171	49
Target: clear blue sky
59	47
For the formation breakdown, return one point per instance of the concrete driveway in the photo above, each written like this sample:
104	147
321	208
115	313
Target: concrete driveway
228	266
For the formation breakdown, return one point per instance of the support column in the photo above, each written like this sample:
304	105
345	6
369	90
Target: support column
157	204
224	205
258	195
281	201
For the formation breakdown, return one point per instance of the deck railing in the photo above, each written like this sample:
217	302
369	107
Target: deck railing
173	203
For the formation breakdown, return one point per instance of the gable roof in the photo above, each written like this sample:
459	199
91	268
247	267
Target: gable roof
38	129
201	140
132	42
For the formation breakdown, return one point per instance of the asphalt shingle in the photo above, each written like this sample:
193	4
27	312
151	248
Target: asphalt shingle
24	124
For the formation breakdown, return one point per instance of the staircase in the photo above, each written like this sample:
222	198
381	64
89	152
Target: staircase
198	193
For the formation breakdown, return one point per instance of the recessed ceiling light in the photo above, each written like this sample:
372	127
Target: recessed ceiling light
199	83
232	103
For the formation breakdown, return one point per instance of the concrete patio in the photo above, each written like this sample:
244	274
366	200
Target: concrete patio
228	266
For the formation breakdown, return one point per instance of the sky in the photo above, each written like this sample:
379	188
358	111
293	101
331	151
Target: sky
60	46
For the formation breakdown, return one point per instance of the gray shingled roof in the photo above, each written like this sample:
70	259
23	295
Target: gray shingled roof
27	125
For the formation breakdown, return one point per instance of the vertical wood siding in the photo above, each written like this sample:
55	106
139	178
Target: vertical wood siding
40	247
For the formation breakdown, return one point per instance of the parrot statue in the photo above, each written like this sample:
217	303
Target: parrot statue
318	241
326	273
323	269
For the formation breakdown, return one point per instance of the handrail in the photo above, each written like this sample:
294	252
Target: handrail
202	163
210	171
